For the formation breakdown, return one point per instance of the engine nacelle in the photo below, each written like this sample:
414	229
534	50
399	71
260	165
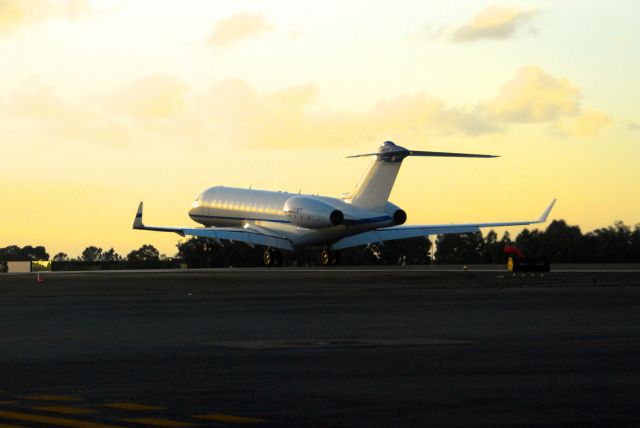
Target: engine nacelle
312	213
397	214
399	217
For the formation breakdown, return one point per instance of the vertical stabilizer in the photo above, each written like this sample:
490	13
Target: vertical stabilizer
374	188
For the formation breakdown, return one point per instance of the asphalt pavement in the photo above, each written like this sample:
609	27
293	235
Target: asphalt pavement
309	348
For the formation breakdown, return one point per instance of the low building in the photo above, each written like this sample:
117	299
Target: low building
18	267
29	266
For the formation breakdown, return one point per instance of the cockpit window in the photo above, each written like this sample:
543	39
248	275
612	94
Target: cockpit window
198	197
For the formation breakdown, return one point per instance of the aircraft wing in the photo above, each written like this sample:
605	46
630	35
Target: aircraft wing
414	231
252	235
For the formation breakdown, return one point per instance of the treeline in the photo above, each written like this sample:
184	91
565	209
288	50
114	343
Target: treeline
13	253
145	257
205	253
559	243
202	252
92	258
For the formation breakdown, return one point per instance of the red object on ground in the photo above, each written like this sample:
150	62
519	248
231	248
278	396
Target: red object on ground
510	249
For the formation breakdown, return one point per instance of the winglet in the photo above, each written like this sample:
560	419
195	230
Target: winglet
545	214
137	222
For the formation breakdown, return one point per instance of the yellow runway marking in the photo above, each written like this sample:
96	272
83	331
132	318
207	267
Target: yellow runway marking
8	401
230	418
131	406
158	422
45	397
10	426
63	422
67	410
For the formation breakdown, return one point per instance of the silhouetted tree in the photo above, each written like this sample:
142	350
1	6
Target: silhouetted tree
27	253
91	254
530	242
110	256
635	244
206	253
147	254
10	253
61	257
613	243
459	248
561	243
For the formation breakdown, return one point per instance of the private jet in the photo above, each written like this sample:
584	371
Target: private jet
281	221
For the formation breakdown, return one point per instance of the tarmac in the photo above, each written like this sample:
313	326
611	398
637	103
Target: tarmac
321	347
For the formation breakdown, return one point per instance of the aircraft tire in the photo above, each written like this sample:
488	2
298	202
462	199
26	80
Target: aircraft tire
277	255
268	257
326	257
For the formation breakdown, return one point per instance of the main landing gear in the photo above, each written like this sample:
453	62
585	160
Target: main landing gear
272	257
329	257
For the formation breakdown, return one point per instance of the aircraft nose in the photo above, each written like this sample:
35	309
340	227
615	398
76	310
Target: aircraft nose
193	211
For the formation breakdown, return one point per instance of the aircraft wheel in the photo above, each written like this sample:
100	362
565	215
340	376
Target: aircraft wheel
326	257
277	256
335	257
268	257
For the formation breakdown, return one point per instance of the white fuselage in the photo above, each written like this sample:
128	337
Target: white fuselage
232	207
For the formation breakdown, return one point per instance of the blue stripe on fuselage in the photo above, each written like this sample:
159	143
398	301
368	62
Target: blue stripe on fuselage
238	218
347	222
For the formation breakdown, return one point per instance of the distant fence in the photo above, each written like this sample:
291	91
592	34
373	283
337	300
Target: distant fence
77	265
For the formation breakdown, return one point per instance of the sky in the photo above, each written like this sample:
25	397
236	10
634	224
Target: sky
107	103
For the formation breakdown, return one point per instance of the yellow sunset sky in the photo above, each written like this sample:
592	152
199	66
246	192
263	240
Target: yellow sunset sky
107	103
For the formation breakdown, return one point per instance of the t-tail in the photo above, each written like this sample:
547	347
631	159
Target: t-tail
374	188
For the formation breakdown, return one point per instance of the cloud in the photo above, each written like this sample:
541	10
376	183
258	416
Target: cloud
428	115
160	108
35	101
494	22
157	95
237	28
632	125
289	118
585	124
42	111
534	95
15	14
431	32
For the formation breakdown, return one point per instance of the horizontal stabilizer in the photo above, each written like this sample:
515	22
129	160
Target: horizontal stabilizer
405	153
373	190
